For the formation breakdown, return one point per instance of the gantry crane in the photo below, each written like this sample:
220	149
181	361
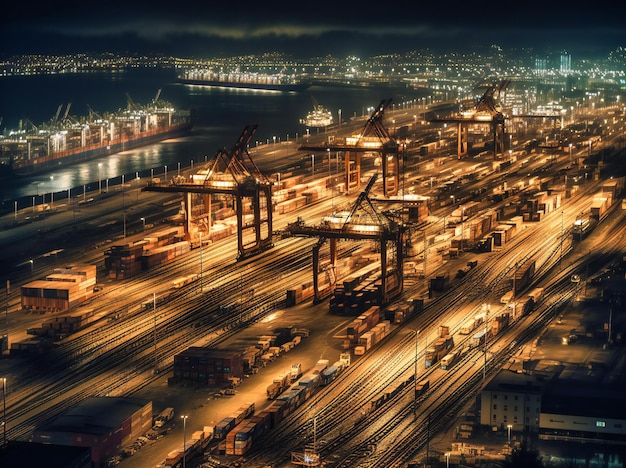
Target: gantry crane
485	111
363	222
230	172
373	138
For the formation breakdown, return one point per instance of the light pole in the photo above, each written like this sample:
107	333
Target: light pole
123	206
51	192
32	266
417	332
143	220
184	418
4	409
156	371
447	460
200	261
508	436
99	179
312	164
561	247
570	155
462	226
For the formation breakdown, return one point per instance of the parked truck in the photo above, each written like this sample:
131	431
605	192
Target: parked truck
296	372
278	386
166	415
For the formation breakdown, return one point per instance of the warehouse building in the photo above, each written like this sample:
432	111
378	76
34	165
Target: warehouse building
29	454
512	399
105	424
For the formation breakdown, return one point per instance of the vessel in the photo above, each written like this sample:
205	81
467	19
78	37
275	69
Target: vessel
260	81
319	117
69	140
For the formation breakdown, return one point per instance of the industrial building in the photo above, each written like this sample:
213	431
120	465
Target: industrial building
553	408
105	424
512	399
601	419
49	455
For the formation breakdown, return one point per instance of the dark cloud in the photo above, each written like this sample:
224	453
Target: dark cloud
185	27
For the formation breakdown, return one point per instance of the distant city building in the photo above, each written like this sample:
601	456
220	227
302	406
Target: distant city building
566	64
541	66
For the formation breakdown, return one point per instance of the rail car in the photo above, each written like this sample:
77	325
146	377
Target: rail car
479	338
184	280
523	276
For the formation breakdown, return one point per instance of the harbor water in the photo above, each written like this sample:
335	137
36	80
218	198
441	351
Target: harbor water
221	115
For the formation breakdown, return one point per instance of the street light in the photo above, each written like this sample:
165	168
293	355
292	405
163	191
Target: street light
462	226
4	409
508	428
143	220
417	332
447	460
99	179
200	232
184	418
32	265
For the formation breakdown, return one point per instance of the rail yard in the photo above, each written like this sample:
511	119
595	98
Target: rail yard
455	304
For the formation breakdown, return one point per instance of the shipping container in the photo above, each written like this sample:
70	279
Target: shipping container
448	360
421	387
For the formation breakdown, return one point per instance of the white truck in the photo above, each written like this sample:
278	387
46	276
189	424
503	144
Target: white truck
296	372
166	415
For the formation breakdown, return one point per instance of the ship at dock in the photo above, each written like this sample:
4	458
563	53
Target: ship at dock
319	117
244	80
66	140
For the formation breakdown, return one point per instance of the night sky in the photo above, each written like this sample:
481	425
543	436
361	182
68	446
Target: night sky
307	28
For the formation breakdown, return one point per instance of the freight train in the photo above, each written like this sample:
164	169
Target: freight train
441	346
241	437
601	204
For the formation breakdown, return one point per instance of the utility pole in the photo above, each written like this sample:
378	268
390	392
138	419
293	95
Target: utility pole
417	332
155	329
486	307
561	249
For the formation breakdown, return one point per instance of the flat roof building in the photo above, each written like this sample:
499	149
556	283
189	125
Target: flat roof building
105	424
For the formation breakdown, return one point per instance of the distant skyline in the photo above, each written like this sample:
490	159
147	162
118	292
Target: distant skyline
307	29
